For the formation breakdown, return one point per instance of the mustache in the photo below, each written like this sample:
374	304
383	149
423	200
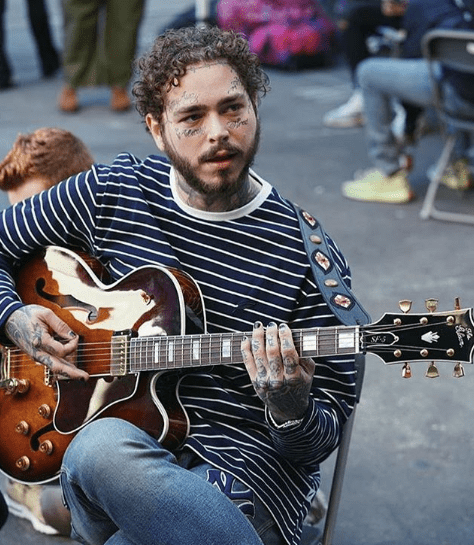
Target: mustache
213	152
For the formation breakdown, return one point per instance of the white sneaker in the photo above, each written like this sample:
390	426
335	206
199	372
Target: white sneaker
25	502
349	114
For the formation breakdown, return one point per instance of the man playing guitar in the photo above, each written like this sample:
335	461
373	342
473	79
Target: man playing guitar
229	256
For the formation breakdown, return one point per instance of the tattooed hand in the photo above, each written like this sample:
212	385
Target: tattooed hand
31	329
280	377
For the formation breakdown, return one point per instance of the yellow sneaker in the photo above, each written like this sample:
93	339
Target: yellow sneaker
458	176
374	186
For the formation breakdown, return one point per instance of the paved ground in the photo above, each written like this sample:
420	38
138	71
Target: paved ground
409	476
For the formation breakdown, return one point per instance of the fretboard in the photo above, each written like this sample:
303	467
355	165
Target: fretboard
176	352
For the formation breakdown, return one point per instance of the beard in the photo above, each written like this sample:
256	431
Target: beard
228	184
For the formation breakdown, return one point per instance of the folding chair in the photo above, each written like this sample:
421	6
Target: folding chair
341	461
453	49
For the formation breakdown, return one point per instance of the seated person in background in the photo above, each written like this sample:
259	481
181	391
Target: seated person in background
408	79
37	161
357	21
249	466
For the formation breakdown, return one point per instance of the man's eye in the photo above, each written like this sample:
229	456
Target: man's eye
191	118
234	107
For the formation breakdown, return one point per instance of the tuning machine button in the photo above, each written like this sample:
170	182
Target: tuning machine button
406	370
431	305
405	305
432	371
458	370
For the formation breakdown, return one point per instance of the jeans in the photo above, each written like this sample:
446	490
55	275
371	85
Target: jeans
408	80
124	488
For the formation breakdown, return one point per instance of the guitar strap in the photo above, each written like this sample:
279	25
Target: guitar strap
334	290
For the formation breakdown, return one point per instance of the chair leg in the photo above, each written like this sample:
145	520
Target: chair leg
429	203
337	480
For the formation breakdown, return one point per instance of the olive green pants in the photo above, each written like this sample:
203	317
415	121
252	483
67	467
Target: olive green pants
100	38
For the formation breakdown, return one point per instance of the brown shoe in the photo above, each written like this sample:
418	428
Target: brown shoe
67	101
119	101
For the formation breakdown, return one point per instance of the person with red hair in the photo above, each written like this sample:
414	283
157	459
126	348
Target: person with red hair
36	162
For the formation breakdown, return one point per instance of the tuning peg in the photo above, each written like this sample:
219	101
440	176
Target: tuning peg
432	371
458	371
406	370
457	303
404	305
431	304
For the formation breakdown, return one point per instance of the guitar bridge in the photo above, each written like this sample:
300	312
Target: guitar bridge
119	357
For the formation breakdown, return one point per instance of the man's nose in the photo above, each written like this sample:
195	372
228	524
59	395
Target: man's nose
217	128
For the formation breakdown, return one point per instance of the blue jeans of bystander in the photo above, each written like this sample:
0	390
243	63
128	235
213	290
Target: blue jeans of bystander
408	80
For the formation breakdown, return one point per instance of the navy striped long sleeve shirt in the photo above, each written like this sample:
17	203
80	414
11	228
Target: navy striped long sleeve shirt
250	265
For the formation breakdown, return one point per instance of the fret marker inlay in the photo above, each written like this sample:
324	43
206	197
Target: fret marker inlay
196	347
346	339
309	342
226	348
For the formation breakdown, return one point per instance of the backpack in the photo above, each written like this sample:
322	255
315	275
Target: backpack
289	34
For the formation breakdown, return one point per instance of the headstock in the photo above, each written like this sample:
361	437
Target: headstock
413	337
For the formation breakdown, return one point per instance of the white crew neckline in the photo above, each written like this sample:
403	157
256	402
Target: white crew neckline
257	201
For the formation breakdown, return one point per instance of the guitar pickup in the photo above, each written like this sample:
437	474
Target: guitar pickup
119	353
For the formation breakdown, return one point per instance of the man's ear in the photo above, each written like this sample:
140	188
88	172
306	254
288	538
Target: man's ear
155	129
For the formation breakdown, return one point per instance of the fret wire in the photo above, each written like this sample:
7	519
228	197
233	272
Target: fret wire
207	347
145	355
132	355
151	352
163	351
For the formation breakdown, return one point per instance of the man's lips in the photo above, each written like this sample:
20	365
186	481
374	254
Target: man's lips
221	157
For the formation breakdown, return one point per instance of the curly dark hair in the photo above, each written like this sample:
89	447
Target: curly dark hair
175	50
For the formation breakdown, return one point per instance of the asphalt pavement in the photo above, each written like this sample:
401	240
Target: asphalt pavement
409	474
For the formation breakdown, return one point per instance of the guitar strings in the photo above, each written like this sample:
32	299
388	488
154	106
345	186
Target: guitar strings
100	351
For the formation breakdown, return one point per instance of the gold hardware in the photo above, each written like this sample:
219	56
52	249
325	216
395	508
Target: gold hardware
432	371
23	463
397	321
22	427
405	305
424	353
450	352
458	371
15	386
46	447
424	320
450	320
397	353
431	304
406	370
457	303
44	410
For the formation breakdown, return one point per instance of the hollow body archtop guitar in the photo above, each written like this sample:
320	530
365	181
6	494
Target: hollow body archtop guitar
136	333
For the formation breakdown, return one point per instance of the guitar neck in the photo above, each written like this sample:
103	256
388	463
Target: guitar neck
131	355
